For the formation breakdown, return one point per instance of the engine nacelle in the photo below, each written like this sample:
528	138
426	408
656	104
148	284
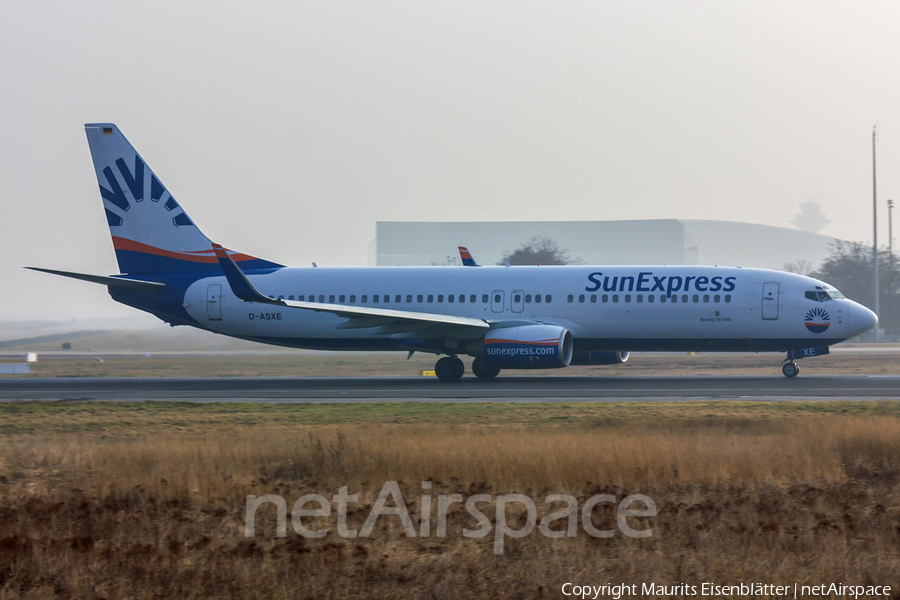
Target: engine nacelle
599	358
527	347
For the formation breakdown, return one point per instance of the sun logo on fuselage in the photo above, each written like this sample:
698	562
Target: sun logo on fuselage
817	320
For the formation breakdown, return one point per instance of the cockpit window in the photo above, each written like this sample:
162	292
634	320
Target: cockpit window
824	296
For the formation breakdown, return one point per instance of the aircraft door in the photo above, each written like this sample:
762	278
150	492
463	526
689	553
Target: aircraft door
516	303
214	302
770	301
497	301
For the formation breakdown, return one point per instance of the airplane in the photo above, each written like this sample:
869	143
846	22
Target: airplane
466	257
503	317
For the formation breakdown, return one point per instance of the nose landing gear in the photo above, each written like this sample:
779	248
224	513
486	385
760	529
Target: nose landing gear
789	368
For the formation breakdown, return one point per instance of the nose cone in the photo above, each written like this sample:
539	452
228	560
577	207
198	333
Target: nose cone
861	319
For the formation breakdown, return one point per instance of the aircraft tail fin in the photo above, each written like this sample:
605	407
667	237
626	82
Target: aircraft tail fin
151	232
466	257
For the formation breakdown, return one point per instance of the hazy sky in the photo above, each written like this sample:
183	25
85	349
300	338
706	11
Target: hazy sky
287	130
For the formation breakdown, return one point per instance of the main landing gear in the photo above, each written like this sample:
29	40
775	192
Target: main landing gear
484	371
451	368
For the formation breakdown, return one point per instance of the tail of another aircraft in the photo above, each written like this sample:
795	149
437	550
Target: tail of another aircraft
150	231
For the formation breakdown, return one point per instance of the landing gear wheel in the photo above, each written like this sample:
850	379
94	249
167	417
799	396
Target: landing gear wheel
449	369
790	369
484	371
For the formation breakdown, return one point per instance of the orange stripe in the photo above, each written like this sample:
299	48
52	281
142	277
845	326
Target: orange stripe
126	244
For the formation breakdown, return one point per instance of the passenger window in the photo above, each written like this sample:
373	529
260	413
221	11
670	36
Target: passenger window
342	298
716	298
537	298
300	298
352	298
650	298
605	298
451	298
472	298
727	298
387	298
291	297
548	298
365	299
627	297
331	299
615	297
321	298
409	298
375	298
581	298
398	298
430	298
696	298
675	298
570	298
484	298
684	298
640	298
594	298
440	297
462	298
705	298
419	298
281	297
662	298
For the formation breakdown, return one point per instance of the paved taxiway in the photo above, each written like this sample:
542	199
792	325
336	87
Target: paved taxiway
504	389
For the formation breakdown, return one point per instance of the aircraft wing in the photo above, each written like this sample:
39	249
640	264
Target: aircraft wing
360	316
121	282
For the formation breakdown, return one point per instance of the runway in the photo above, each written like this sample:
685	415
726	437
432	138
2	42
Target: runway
413	389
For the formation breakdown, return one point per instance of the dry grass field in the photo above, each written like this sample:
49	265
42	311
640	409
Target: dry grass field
130	500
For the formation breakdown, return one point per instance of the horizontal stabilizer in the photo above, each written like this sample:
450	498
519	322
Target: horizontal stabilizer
119	282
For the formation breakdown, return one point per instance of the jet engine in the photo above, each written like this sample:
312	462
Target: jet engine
526	347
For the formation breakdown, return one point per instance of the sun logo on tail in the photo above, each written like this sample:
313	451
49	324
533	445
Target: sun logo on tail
818	320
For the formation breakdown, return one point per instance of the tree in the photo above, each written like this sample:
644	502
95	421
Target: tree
800	267
849	269
540	250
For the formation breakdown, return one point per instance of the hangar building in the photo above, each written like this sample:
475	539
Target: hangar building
655	241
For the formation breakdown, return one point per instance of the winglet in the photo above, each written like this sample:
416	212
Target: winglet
467	259
239	283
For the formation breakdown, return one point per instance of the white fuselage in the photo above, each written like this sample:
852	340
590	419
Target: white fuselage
623	308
